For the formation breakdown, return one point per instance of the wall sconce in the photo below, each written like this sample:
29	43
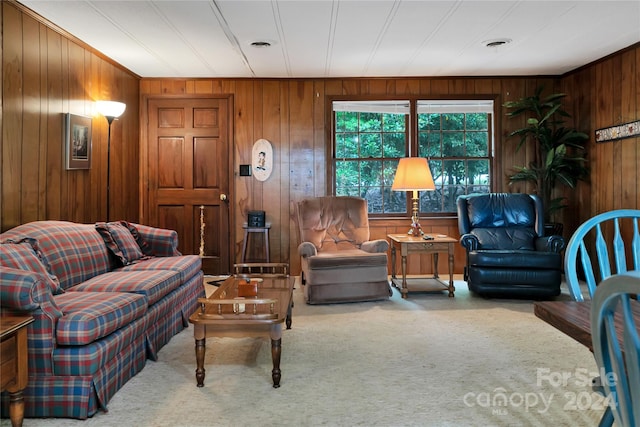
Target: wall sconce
111	110
413	174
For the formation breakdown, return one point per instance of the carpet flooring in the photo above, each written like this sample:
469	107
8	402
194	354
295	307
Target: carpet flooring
428	360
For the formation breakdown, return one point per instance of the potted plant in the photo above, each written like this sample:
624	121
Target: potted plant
559	150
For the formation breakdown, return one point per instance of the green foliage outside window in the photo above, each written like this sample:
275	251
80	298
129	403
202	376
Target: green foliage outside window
369	145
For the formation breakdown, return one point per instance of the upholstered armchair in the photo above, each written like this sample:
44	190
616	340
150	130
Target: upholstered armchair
507	252
339	262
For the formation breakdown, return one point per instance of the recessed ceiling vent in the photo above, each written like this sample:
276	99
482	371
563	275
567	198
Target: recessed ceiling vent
496	42
260	44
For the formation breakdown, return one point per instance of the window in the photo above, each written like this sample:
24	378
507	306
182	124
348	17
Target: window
371	136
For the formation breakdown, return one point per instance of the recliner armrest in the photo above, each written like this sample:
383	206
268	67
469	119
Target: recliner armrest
307	249
550	244
375	246
470	242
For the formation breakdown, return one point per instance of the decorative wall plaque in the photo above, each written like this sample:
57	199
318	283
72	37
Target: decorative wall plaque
262	159
627	130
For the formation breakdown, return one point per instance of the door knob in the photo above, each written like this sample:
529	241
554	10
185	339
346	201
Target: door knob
223	197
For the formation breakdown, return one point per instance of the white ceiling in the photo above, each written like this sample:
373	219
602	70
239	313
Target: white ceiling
347	38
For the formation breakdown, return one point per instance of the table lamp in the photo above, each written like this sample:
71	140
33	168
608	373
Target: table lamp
413	174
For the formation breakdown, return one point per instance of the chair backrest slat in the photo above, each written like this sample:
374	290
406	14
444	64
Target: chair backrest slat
603	254
608	239
636	246
618	248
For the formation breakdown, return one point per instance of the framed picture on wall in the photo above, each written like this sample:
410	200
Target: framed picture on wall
77	141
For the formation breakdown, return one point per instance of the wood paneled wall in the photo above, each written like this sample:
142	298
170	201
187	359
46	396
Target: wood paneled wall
606	94
293	115
45	74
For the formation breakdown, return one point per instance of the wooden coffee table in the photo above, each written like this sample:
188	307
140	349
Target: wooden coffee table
223	315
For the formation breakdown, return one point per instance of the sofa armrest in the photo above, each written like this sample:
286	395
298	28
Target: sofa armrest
550	244
307	249
375	246
23	290
159	241
470	242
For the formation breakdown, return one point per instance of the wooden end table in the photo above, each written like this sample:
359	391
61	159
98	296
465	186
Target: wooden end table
408	244
14	362
224	315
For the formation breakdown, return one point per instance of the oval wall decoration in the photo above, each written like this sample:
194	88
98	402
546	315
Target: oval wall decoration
262	159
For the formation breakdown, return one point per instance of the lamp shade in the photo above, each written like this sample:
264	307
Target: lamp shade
111	109
413	174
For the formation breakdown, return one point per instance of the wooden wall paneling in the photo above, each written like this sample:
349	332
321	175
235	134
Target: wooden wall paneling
43	134
76	105
12	117
277	213
244	139
31	115
616	111
99	132
507	152
301	134
604	152
628	147
408	86
321	149
174	86
260	190
55	94
45	75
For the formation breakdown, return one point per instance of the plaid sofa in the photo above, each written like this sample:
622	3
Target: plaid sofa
105	298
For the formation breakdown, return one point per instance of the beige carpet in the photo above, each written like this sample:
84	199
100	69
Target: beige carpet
425	361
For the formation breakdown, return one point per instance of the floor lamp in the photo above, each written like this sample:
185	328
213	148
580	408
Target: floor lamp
413	174
111	110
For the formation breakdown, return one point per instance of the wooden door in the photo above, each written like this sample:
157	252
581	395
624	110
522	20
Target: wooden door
188	150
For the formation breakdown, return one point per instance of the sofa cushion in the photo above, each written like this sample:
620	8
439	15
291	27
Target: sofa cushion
153	285
187	265
89	316
24	255
120	242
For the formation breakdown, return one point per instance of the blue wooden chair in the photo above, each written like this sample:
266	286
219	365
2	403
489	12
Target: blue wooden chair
603	234
605	230
617	352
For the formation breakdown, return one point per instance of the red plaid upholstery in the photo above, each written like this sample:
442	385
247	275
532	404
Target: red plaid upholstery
153	286
120	242
89	316
74	252
87	342
161	242
187	265
24	255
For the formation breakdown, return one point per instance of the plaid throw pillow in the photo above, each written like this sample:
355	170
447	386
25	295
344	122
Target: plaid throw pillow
120	242
25	255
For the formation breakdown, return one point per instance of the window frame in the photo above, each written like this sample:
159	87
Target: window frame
412	146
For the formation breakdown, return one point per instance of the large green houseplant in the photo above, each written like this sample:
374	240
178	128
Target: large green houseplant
559	150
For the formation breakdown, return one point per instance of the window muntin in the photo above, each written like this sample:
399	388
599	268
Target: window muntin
371	136
369	140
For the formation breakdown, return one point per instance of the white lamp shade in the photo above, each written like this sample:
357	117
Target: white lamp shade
111	108
413	174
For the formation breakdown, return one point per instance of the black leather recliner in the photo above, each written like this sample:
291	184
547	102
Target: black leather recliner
507	252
